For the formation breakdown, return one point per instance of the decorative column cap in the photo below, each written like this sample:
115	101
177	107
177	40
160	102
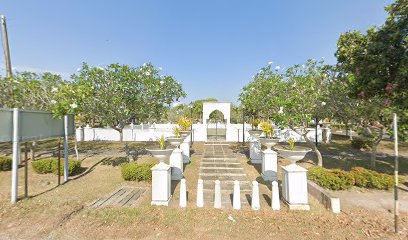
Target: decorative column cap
161	167
293	168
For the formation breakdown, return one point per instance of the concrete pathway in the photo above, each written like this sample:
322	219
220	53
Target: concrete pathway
219	162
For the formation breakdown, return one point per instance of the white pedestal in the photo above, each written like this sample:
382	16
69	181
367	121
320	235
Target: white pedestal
255	151
176	163
200	193
183	193
161	184
188	139
275	196
255	196
185	147
269	165
294	187
217	194
236	203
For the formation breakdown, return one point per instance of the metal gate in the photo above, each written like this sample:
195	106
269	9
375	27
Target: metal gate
216	131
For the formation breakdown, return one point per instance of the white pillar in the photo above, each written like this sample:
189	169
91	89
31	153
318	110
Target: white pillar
89	133
183	193
80	134
185	147
16	156
275	202
176	163
237	196
269	165
294	187
65	148
255	151
161	184
217	194
200	193
255	196
188	139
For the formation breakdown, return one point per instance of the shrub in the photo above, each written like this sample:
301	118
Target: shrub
5	163
43	166
338	179
361	142
346	178
330	179
137	172
50	165
371	179
73	167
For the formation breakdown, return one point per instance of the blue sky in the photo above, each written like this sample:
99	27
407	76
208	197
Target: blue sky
212	47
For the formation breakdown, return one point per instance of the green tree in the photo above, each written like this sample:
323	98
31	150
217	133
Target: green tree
299	91
118	94
35	91
378	61
369	115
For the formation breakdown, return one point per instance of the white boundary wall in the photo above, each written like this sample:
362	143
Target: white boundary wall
150	132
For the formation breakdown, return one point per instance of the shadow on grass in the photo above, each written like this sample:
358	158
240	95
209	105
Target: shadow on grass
81	173
267	199
346	160
248	198
174	184
114	161
339	155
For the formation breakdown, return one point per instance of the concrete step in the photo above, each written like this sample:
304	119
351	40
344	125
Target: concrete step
217	156
220	165
225	171
229	186
219	161
223	178
229	175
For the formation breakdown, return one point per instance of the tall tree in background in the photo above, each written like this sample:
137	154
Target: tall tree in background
378	62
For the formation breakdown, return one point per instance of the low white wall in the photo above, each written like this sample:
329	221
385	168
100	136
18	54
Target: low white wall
151	132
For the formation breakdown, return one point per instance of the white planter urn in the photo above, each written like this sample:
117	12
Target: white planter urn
162	155
295	154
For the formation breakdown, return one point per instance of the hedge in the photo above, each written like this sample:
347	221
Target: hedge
371	179
50	165
5	163
137	172
339	180
334	179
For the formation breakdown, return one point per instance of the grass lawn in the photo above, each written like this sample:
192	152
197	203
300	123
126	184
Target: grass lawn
63	212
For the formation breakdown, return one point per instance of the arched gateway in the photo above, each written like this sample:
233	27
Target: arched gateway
223	107
216	116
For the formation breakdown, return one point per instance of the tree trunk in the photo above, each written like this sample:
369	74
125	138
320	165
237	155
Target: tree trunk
32	150
121	135
76	148
315	150
120	130
313	146
376	142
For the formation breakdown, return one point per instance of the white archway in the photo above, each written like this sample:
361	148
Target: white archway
209	107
